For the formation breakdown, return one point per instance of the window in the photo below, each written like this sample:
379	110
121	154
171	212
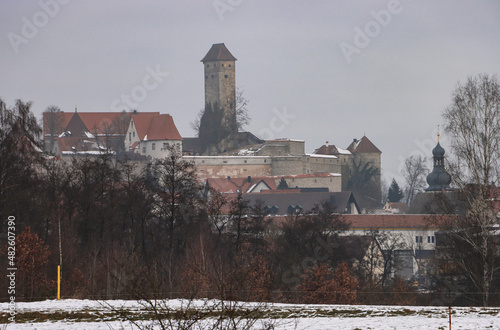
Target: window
165	145
225	76
432	239
428	239
133	133
418	239
212	76
130	136
222	64
153	146
206	77
229	65
143	150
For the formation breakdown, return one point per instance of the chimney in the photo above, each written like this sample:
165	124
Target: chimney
249	179
326	144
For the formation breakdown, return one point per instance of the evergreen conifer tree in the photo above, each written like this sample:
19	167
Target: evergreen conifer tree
394	194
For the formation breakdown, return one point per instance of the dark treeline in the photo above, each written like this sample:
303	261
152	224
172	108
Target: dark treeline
129	231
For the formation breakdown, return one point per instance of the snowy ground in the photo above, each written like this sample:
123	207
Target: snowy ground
96	316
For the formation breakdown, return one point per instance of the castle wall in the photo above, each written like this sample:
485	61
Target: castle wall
234	166
282	148
288	165
324	164
333	183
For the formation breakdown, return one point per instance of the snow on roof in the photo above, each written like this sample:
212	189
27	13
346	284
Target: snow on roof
310	175
286	139
322	156
222	157
251	188
89	135
343	151
156	127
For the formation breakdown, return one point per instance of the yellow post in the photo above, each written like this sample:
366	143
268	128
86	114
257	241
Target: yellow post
58	282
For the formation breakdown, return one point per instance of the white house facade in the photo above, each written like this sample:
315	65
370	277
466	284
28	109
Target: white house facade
153	136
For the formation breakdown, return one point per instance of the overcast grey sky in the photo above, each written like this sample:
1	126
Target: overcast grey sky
312	70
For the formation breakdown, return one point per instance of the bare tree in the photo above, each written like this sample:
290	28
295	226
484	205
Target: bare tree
54	120
363	183
242	117
414	171
473	123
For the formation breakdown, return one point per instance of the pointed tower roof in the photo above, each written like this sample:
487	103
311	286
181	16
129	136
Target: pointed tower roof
363	145
218	52
76	126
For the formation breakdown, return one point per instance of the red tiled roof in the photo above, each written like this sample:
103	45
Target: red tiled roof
238	184
76	126
135	144
363	145
68	143
218	52
94	121
156	127
327	150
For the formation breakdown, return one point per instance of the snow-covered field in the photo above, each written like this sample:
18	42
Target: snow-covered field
297	316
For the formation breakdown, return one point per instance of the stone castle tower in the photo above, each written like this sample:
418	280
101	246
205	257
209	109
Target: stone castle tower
220	86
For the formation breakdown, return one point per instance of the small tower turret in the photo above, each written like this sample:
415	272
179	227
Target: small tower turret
438	179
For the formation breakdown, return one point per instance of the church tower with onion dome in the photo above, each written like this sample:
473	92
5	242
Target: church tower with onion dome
438	179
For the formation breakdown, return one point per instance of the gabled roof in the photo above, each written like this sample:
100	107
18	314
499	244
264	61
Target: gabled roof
76	126
218	52
244	185
68	145
93	121
339	200
156	127
363	145
331	150
402	207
